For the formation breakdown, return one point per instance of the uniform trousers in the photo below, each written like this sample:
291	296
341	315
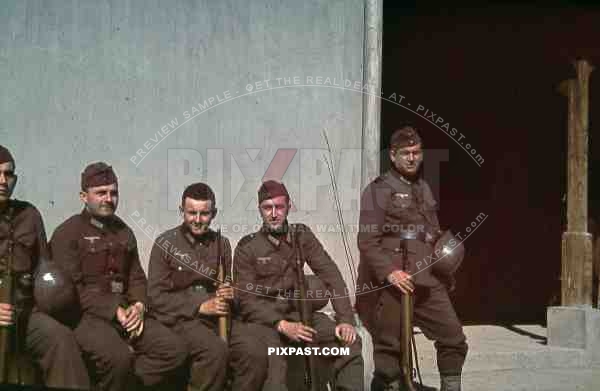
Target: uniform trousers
348	370
211	357
53	347
154	358
433	314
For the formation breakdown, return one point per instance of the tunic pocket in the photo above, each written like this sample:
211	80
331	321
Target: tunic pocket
266	266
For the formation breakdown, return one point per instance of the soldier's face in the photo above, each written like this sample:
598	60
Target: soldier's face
101	201
274	211
8	180
407	160
197	215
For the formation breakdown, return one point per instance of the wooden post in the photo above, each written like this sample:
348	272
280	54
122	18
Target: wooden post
576	276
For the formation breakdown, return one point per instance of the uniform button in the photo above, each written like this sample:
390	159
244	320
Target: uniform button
111	272
397	249
179	268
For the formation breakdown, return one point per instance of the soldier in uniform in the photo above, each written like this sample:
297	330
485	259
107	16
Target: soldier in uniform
399	228
117	333
183	291
265	263
51	344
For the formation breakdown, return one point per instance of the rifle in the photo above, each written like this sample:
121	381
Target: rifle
7	295
14	365
406	332
406	363
311	374
222	278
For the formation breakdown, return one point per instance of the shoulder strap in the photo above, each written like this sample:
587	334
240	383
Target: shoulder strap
9	217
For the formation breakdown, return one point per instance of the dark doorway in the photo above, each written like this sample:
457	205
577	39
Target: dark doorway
491	73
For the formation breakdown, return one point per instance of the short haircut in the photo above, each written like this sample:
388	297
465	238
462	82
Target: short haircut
199	191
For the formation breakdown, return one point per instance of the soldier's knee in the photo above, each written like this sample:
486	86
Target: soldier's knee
251	355
61	339
257	354
178	352
218	351
119	362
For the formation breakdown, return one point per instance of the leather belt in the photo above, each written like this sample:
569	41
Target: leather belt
409	235
424	237
195	288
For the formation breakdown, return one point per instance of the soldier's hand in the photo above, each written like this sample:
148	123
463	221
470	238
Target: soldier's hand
225	291
296	331
401	280
346	333
134	317
137	332
121	316
217	306
6	314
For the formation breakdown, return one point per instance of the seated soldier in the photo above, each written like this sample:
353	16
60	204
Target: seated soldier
265	262
51	344
117	334
185	293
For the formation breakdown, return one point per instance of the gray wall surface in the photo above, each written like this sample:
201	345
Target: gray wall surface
97	80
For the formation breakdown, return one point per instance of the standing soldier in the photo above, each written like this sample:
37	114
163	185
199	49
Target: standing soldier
266	265
399	228
117	335
51	344
184	292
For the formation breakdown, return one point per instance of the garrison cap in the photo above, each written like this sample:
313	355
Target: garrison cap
271	189
97	174
5	156
406	136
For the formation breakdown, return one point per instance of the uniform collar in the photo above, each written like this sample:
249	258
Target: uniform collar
101	224
193	240
276	239
7	210
401	178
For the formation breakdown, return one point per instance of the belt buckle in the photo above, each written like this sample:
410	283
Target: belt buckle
406	235
117	286
198	288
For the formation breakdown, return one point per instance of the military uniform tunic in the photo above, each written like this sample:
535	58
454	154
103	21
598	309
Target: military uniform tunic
102	259
266	276
399	217
182	275
51	344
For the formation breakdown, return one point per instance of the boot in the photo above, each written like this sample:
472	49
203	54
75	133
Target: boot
378	385
450	383
423	387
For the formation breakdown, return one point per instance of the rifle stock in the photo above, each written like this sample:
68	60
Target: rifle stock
222	278
311	374
406	332
15	366
6	332
406	362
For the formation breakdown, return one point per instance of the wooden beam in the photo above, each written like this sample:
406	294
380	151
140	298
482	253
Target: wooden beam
576	275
